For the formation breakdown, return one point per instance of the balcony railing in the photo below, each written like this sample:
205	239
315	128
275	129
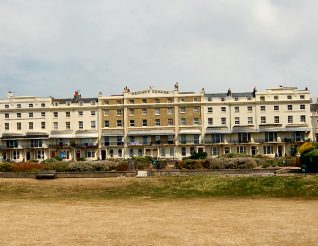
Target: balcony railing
32	146
86	145
214	141
59	146
10	147
189	142
106	144
236	141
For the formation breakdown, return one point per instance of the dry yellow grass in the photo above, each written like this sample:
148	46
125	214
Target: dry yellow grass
56	220
177	222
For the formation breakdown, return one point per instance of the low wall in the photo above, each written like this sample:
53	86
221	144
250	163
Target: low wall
110	174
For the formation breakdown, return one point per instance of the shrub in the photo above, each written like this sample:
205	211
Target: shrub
216	163
306	147
293	151
122	167
6	167
102	165
27	167
79	167
50	160
58	158
81	159
232	163
59	166
193	164
234	155
199	155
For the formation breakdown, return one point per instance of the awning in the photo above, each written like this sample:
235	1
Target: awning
272	130
62	136
35	135
86	135
190	131
113	133
151	132
210	131
244	129
12	135
299	129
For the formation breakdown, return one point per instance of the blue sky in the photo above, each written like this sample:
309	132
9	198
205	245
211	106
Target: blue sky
53	47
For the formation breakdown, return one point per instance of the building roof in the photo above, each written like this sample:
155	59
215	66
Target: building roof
220	95
75	100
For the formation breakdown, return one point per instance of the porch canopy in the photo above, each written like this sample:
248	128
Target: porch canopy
150	133
215	130
190	131
113	133
238	129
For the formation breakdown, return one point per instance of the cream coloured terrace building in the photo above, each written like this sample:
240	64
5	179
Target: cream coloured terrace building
43	127
257	123
155	122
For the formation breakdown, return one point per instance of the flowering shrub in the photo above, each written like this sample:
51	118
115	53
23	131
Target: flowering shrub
6	167
27	167
306	147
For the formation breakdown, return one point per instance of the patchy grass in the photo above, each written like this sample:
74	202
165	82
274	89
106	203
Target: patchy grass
161	188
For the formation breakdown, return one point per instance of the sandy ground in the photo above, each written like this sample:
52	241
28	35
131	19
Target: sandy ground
175	222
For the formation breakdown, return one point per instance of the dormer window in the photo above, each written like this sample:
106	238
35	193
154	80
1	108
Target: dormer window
68	103
80	103
42	105
222	99
92	102
236	99
262	98
56	104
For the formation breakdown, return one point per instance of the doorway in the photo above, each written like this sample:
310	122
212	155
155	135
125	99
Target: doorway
78	154
280	151
28	156
103	152
253	150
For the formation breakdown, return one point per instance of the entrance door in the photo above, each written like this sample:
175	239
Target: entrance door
253	150
28	155
103	154
280	151
78	154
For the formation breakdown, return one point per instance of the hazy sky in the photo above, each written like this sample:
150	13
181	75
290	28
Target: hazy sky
53	47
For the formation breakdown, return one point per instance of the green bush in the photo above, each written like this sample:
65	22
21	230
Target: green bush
231	163
199	155
59	166
81	159
122	167
58	158
79	167
6	167
234	155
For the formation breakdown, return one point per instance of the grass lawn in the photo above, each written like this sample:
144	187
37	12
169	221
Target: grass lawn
161	188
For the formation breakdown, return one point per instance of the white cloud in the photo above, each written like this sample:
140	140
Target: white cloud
52	47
